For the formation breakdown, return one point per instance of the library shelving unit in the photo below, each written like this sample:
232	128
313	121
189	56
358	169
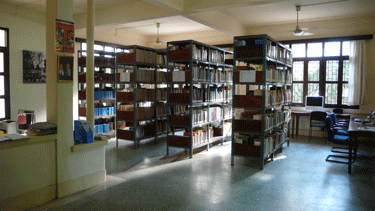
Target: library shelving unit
261	124
104	95
141	94
199	95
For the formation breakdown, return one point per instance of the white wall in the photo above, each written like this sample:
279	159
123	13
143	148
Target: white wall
24	35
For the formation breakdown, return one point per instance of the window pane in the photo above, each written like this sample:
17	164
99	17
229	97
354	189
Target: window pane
313	89
332	72
297	93
2	108
118	50
3	38
345	70
345	48
345	93
331	94
2	86
297	71
1	62
109	49
98	47
314	49
298	50
84	46
332	49
313	71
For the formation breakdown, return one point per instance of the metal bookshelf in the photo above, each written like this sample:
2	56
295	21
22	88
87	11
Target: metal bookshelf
105	72
195	65
134	60
260	139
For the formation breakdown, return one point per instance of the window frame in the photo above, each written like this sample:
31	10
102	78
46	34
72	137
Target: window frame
6	96
322	74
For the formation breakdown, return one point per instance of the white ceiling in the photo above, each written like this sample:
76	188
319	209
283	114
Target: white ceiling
285	12
168	25
254	13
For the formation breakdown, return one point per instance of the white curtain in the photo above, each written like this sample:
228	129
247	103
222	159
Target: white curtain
357	73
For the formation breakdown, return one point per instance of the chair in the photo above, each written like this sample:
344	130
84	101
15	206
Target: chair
339	123
317	119
338	110
340	139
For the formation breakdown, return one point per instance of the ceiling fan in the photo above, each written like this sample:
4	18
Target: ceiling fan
304	31
158	42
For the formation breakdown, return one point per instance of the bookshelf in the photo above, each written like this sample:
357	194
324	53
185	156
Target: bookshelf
141	90
104	95
262	100
199	95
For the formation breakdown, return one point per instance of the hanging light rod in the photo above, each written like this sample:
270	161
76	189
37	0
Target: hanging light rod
328	2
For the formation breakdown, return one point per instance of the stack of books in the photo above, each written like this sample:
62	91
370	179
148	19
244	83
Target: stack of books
42	128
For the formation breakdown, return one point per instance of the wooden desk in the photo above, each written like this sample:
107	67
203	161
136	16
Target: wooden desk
297	114
358	129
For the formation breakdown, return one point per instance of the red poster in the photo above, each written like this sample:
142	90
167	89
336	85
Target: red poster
64	36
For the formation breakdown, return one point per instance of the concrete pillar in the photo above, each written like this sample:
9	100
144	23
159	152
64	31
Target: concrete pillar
90	62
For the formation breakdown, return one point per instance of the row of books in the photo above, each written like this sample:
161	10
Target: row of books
211	94
227	111
177	109
201	135
104	111
278	76
271	141
144	94
274	118
143	113
219	94
99	60
143	75
205	115
102	128
160	109
104	94
276	96
203	74
150	57
279	53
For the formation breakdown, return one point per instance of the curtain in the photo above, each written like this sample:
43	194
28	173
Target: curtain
357	73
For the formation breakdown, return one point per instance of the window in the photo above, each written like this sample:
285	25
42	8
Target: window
4	74
320	68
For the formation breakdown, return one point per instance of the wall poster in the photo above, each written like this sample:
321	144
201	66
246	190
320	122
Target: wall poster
34	67
64	36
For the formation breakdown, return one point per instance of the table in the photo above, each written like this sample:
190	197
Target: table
296	114
358	129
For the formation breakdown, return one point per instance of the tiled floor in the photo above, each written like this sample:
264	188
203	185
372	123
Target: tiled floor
297	179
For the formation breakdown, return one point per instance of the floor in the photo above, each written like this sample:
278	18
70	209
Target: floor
297	179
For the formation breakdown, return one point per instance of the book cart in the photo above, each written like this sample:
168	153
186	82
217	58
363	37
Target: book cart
104	94
261	123
199	95
141	94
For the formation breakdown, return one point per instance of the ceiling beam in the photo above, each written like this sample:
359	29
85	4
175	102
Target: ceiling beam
207	5
123	14
176	6
219	21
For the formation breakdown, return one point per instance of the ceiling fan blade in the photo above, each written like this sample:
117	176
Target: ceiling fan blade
312	28
307	34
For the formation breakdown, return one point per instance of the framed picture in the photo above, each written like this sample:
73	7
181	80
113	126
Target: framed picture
65	68
34	67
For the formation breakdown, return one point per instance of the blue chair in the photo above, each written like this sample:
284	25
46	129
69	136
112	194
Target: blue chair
340	139
339	123
317	119
338	127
